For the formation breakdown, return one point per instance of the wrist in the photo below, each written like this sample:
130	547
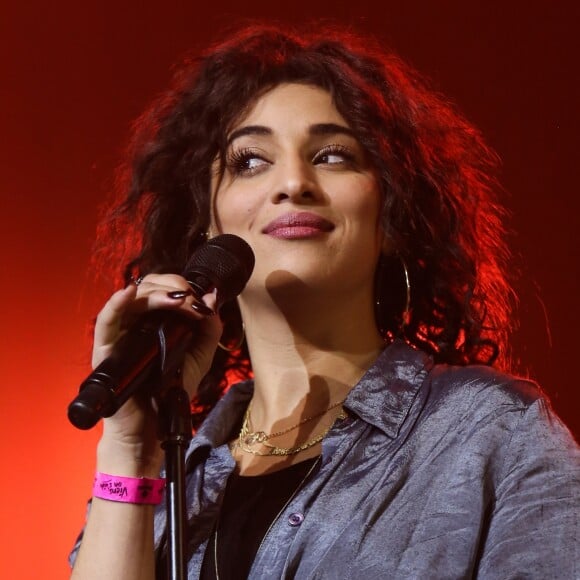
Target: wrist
128	459
135	490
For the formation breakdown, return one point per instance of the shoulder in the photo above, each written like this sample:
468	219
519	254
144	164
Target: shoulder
510	416
483	387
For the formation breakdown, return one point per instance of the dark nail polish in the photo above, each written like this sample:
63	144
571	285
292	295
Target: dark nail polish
201	308
178	294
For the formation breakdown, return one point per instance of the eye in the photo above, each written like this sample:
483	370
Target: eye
334	155
246	162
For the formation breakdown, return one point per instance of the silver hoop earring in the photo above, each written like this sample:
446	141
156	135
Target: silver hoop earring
238	344
406	315
389	324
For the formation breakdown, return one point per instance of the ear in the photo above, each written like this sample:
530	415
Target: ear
213	230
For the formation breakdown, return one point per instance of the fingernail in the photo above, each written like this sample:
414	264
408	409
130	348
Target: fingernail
201	308
178	294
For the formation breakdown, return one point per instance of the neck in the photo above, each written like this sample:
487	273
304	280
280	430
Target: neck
307	354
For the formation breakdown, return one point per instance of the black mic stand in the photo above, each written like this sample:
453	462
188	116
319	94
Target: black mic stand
175	433
175	427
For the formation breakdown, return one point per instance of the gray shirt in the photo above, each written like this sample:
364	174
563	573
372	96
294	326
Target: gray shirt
437	472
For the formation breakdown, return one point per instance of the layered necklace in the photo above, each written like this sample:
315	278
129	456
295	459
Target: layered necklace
249	440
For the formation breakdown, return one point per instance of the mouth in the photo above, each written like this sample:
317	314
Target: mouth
298	225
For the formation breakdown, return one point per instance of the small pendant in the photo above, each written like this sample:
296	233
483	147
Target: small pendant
256	437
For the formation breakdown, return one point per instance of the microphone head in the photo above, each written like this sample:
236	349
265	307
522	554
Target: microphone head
225	262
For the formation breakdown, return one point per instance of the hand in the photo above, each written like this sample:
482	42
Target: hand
129	438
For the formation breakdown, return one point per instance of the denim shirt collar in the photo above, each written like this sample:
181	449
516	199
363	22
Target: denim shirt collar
382	397
225	419
385	393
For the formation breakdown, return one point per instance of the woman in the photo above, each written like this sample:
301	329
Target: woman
376	436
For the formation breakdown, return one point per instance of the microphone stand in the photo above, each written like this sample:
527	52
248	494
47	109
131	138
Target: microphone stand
175	424
175	432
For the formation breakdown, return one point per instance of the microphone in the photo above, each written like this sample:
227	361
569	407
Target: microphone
155	345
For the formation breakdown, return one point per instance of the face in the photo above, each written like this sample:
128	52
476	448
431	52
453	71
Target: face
298	188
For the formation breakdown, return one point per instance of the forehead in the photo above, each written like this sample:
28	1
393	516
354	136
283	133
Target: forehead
292	106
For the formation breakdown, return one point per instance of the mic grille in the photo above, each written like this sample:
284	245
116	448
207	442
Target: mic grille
225	262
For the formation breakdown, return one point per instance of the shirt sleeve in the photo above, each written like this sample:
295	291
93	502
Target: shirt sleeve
533	526
75	550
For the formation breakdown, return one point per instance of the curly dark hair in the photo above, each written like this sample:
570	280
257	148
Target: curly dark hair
439	202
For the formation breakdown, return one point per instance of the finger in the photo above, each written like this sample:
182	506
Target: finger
155	291
170	291
198	359
109	319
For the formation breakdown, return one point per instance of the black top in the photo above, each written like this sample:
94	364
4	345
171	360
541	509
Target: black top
251	504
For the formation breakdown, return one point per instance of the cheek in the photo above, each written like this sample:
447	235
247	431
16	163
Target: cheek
234	211
362	202
364	211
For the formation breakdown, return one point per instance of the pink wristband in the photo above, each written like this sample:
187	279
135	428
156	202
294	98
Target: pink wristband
128	489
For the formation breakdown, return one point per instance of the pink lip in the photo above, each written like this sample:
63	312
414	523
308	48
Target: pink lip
298	225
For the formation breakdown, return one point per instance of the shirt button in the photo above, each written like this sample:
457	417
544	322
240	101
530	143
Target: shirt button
295	519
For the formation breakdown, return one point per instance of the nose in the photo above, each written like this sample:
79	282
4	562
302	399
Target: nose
295	182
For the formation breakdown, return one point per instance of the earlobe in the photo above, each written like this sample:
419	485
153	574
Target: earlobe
213	230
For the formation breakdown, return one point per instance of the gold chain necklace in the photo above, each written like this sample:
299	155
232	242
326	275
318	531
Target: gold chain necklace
248	438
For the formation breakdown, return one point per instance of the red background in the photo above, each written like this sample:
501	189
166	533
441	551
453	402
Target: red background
72	77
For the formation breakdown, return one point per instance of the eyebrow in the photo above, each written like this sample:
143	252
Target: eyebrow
318	129
248	130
